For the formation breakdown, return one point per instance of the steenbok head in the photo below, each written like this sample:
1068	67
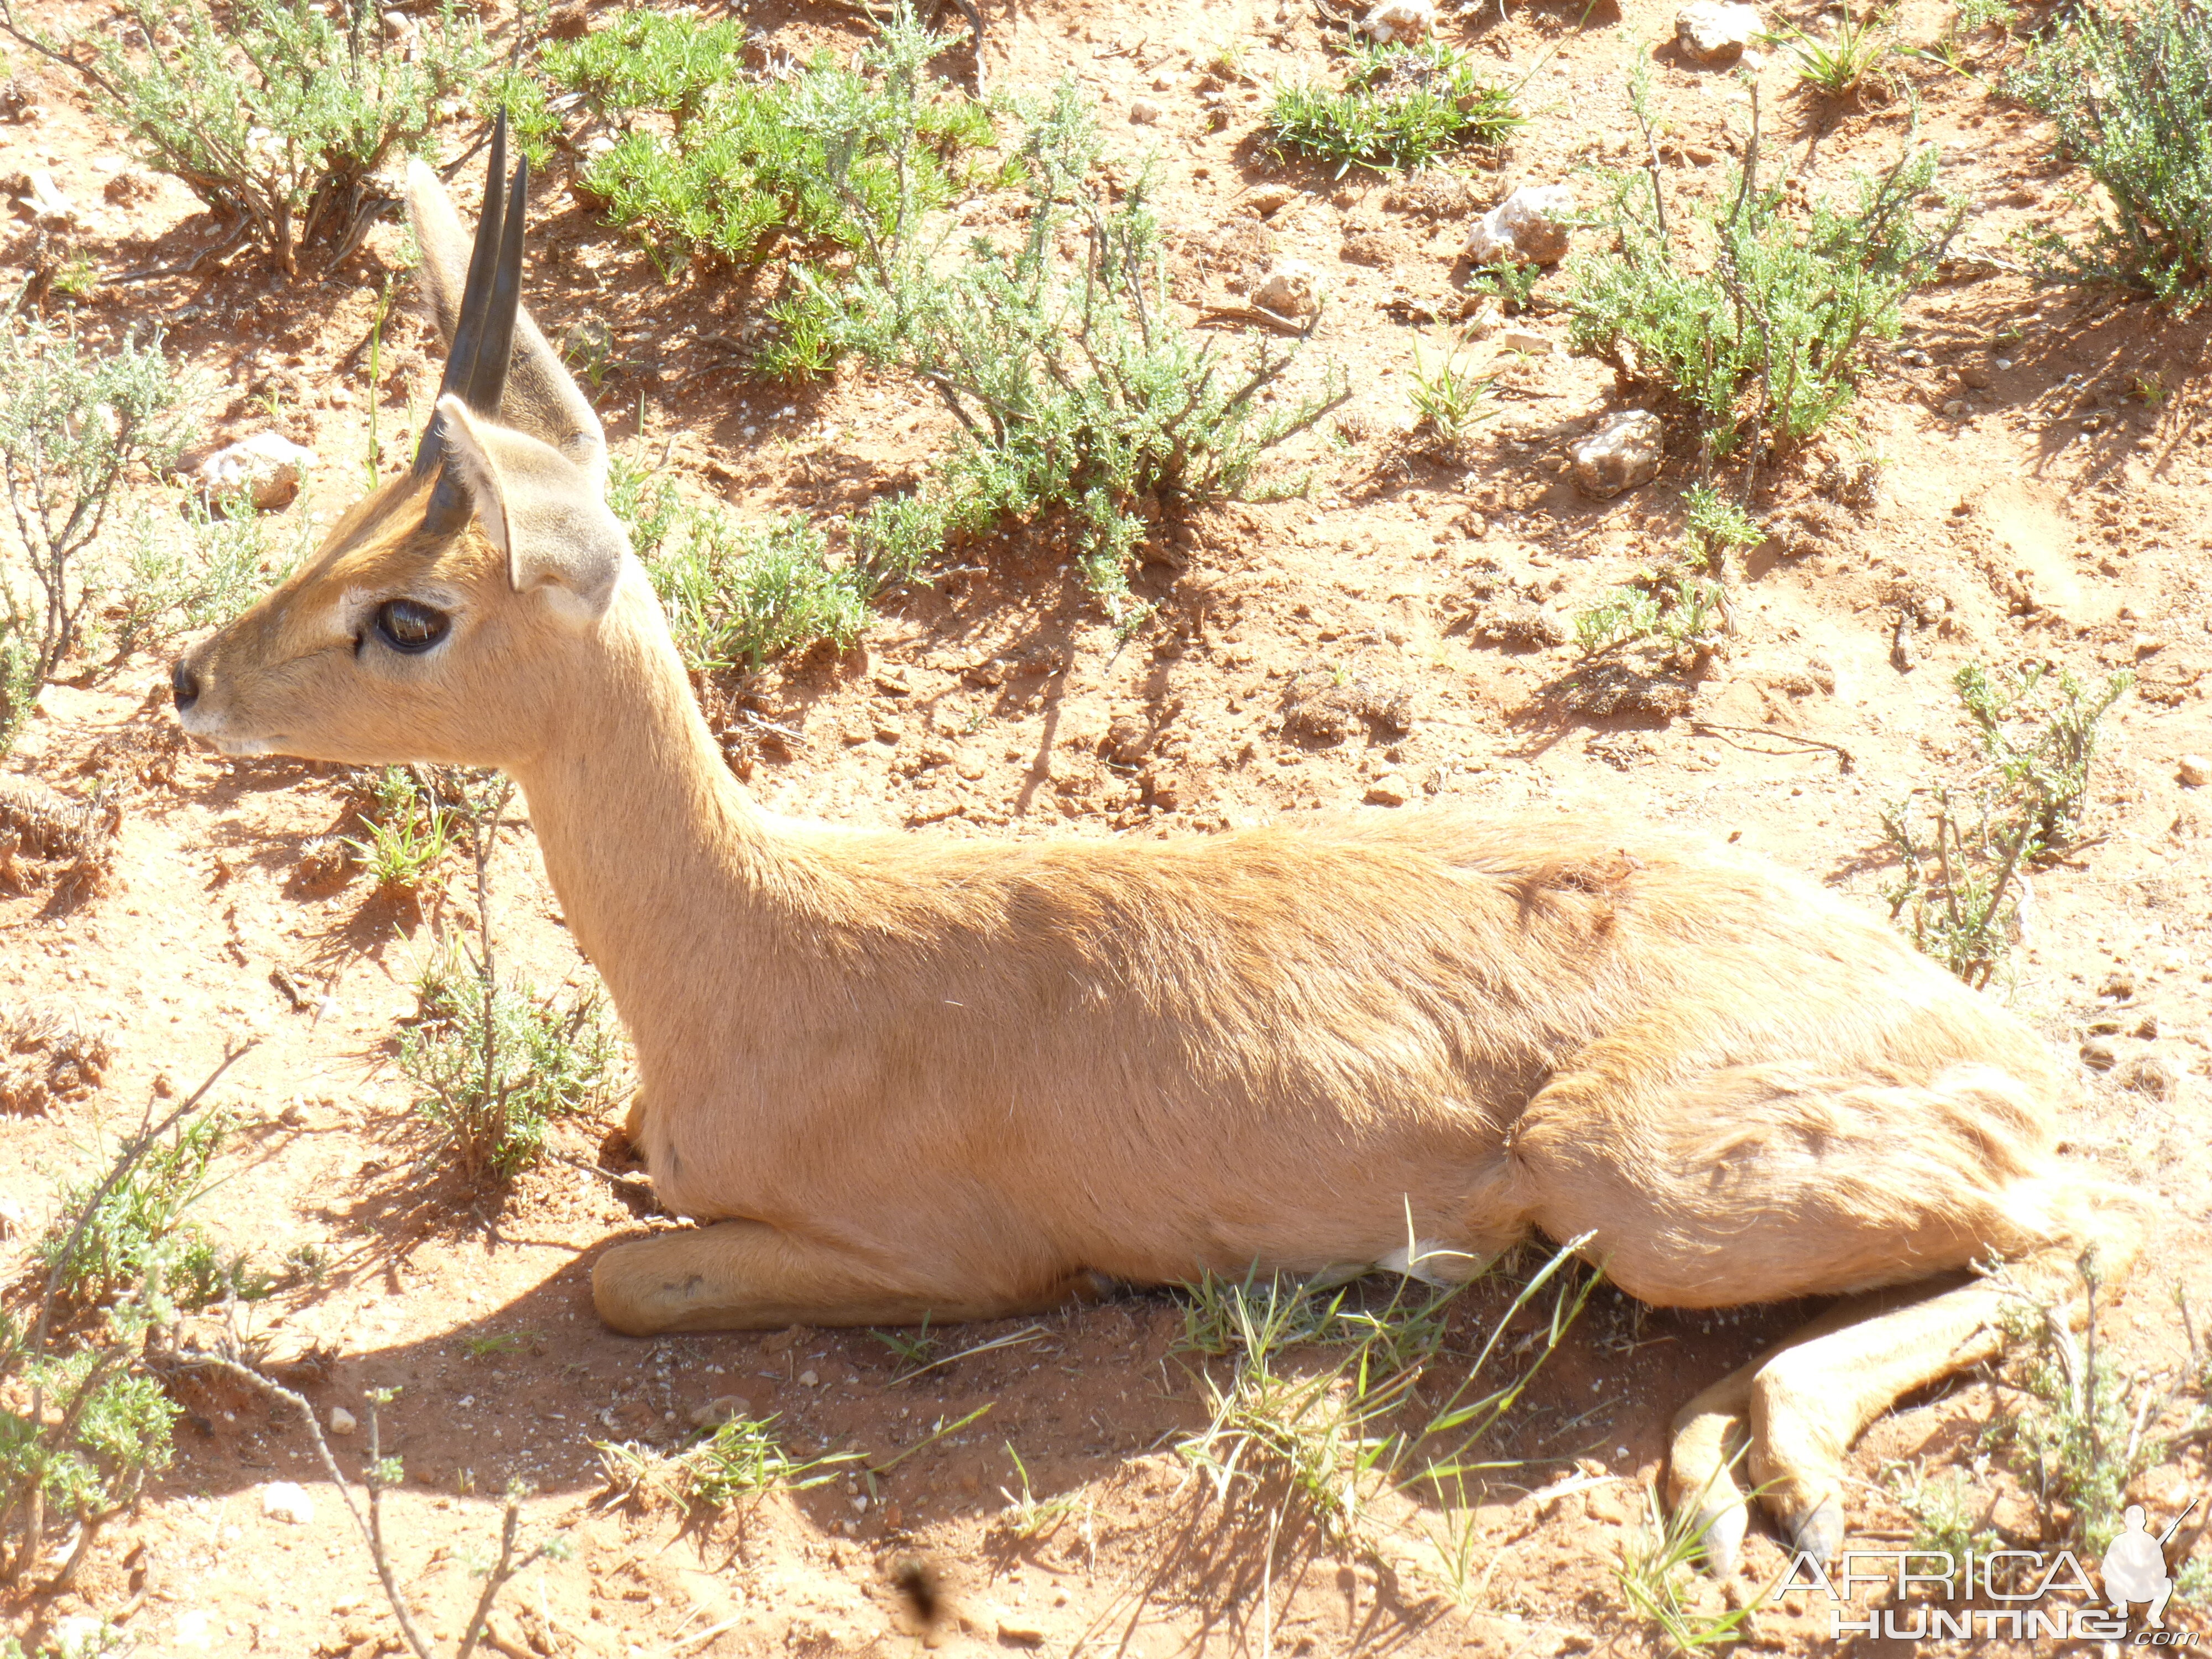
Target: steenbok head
443	617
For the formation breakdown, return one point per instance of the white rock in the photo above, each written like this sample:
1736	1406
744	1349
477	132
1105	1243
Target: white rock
1526	340
1389	790
1398	20
1143	111
343	1421
195	1628
13	1220
1528	227
2195	771
1292	288
810	1380
1622	453
268	466
1713	30
283	1501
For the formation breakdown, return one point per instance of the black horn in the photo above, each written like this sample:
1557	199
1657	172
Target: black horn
484	334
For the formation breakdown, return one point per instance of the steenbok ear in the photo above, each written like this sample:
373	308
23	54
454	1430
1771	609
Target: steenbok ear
539	507
540	398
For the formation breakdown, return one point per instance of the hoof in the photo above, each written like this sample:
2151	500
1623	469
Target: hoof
1720	1534
1819	1532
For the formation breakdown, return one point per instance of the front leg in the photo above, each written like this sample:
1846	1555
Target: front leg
747	1275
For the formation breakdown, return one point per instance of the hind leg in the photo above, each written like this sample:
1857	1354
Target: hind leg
1767	1183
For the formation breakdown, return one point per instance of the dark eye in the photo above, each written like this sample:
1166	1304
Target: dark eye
406	625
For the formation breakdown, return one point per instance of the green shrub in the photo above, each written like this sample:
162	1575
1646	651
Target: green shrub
1398	107
279	112
136	1233
498	1064
1077	392
833	157
1959	865
73	424
742	593
2130	93
1767	336
187	564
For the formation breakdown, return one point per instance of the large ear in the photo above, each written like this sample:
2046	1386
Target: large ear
540	398
540	509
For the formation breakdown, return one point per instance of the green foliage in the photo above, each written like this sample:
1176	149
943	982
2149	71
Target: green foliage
496	1065
1841	64
137	1234
832	156
1944	1518
1712	525
1398	107
279	112
1322	1395
187	564
1658	1578
1077	392
738	594
741	1460
410	833
2079	1419
1782	310
2129	90
73	424
1448	394
1959	867
1682	612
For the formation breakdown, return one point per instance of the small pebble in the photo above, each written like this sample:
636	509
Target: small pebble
810	1380
343	1421
1144	111
1389	791
2195	771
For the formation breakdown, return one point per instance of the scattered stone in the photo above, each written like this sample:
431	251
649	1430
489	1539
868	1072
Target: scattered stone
1528	227
1292	288
1956	407
2194	771
342	1422
1268	200
1390	790
1712	32
1022	1632
2119	985
1623	452
1144	112
281	1500
267	467
1398	20
2097	1054
810	1380
13	1219
1526	340
722	1408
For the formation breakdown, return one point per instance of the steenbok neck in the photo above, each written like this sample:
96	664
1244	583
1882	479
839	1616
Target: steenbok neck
657	853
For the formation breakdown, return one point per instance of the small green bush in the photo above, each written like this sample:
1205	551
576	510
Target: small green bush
1960	858
834	157
73	424
738	594
2130	92
187	564
497	1065
1767	337
1077	392
1398	107
137	1234
279	112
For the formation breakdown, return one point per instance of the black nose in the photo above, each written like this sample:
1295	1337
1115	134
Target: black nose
183	685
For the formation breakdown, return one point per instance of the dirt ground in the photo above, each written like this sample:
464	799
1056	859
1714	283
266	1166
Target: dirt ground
2004	487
